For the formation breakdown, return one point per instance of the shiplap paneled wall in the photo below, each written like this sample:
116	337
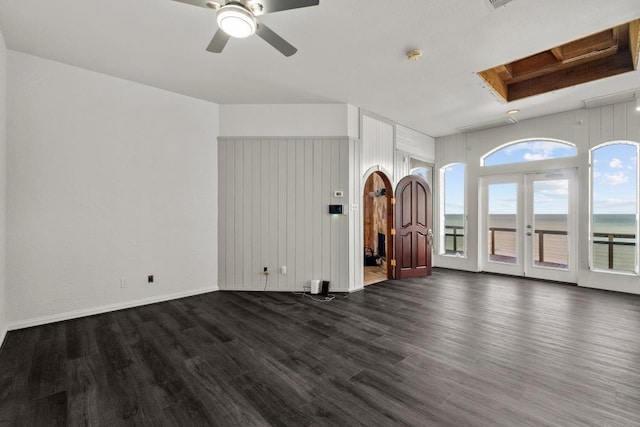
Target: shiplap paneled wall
356	241
378	146
273	212
402	165
418	145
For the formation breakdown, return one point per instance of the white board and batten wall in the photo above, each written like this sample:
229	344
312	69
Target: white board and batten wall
586	128
277	181
279	169
386	147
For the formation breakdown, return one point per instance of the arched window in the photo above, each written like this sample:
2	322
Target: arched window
453	210
529	150
614	207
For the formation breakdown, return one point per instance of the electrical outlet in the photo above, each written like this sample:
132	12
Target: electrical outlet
150	278
123	283
283	269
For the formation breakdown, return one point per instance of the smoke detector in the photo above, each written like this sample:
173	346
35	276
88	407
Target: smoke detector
494	4
414	55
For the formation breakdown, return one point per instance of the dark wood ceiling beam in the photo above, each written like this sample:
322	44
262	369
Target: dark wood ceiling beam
600	41
583	73
557	52
532	63
572	62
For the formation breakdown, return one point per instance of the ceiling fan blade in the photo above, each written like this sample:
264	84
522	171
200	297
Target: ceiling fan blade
275	40
270	6
218	42
201	3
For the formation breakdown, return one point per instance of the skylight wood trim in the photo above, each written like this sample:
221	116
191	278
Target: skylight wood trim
583	73
604	54
634	42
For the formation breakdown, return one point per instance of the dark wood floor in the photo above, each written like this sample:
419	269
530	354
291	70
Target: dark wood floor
454	349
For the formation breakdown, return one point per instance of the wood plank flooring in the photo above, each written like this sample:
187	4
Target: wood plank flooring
453	349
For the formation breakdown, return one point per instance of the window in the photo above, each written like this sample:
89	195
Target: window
528	151
453	214
421	168
614	207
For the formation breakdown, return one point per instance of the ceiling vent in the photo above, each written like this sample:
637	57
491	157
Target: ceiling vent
615	98
488	125
494	4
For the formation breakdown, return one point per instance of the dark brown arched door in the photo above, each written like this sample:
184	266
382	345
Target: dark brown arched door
414	235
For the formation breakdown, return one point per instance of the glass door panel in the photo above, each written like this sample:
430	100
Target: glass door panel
551	223
502	223
530	225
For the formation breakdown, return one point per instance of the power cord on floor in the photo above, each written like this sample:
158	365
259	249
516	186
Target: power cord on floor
327	298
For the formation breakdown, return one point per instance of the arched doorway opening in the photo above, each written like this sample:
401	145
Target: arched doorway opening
378	222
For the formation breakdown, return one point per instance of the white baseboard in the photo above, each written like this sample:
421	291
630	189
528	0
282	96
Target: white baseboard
104	309
242	289
361	288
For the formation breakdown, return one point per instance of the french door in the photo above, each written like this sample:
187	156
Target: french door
529	225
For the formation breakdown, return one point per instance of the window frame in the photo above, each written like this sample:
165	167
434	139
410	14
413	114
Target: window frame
442	249
592	267
526	140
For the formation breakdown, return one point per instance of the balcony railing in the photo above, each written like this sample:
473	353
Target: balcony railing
611	241
454	235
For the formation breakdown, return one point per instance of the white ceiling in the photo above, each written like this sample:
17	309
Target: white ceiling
348	52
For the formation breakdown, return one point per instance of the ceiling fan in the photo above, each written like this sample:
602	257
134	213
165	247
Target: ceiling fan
237	18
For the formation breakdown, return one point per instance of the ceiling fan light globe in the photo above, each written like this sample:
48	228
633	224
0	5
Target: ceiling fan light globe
236	21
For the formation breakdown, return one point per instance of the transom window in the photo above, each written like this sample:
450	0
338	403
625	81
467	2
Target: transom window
529	150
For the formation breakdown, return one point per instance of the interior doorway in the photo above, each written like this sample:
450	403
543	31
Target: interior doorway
413	229
378	221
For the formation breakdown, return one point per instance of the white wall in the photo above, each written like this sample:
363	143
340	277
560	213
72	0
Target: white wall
419	145
274	198
107	179
288	120
3	181
584	128
378	147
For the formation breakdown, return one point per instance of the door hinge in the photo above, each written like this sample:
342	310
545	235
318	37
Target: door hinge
393	231
393	263
393	200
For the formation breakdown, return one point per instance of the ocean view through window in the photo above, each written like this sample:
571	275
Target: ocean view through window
452	232
614	207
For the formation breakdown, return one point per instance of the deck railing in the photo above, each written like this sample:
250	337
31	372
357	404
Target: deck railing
611	242
454	235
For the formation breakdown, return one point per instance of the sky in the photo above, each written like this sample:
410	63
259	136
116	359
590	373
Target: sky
454	189
528	151
614	180
614	169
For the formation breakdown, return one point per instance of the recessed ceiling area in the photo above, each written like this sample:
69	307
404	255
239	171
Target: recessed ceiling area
604	54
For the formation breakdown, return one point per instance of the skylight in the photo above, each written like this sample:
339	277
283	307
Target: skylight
607	53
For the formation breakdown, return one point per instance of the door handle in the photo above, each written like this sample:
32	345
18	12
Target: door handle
430	237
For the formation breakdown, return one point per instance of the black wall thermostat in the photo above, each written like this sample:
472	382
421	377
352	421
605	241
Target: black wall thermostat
335	209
